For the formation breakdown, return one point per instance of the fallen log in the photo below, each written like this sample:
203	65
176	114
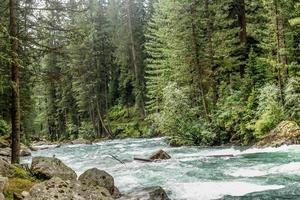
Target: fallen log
142	159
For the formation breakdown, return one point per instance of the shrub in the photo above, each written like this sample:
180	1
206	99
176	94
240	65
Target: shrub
4	127
179	122
270	112
292	99
86	130
228	117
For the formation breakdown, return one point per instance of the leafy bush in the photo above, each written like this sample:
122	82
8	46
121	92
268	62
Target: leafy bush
179	122
292	99
270	112
126	122
228	117
118	112
86	130
4	127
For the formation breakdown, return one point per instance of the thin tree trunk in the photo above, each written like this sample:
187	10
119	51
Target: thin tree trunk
197	61
280	60
209	30
15	117
102	122
139	99
92	116
243	33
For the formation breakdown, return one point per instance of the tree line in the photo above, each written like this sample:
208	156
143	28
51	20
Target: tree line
199	72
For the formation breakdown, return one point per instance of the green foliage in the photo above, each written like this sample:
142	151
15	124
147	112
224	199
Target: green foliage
292	99
18	185
270	112
180	123
126	122
187	66
4	127
229	116
86	130
18	172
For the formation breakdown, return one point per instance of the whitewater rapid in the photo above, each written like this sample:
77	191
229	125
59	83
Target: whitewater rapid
270	173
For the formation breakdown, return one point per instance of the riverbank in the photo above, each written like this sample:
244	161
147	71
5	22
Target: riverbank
189	167
248	171
49	178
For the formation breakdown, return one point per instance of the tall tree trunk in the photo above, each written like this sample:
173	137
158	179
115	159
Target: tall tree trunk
209	30
139	97
243	33
198	64
15	116
280	43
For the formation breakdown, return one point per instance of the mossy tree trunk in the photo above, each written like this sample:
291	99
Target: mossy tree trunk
15	101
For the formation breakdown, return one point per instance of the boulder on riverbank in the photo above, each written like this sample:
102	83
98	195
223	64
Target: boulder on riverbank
5	152
95	177
47	168
81	141
150	193
24	151
286	133
160	155
4	167
56	188
4	144
3	184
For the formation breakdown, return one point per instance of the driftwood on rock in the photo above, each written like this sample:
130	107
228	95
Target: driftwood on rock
143	159
158	155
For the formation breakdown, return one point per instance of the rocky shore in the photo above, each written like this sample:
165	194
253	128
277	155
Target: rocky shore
55	180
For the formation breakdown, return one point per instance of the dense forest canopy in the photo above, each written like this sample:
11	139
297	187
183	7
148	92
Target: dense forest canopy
200	72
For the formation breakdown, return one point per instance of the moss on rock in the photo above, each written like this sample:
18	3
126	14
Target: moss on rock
286	133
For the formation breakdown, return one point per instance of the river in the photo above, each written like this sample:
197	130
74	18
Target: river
271	173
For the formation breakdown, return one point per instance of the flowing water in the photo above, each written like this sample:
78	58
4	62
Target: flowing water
271	173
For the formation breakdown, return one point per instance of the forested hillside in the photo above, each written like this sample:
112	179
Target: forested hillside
199	72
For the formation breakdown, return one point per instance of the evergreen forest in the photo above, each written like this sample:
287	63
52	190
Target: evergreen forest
197	72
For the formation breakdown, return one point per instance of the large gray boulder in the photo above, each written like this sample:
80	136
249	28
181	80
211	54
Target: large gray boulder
3	183
56	188
96	177
47	168
150	193
4	167
285	133
25	151
6	152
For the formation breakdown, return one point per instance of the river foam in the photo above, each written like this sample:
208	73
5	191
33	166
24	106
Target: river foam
191	174
215	190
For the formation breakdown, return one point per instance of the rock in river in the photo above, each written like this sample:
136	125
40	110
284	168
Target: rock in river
47	168
95	177
56	188
286	133
25	151
160	155
150	193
